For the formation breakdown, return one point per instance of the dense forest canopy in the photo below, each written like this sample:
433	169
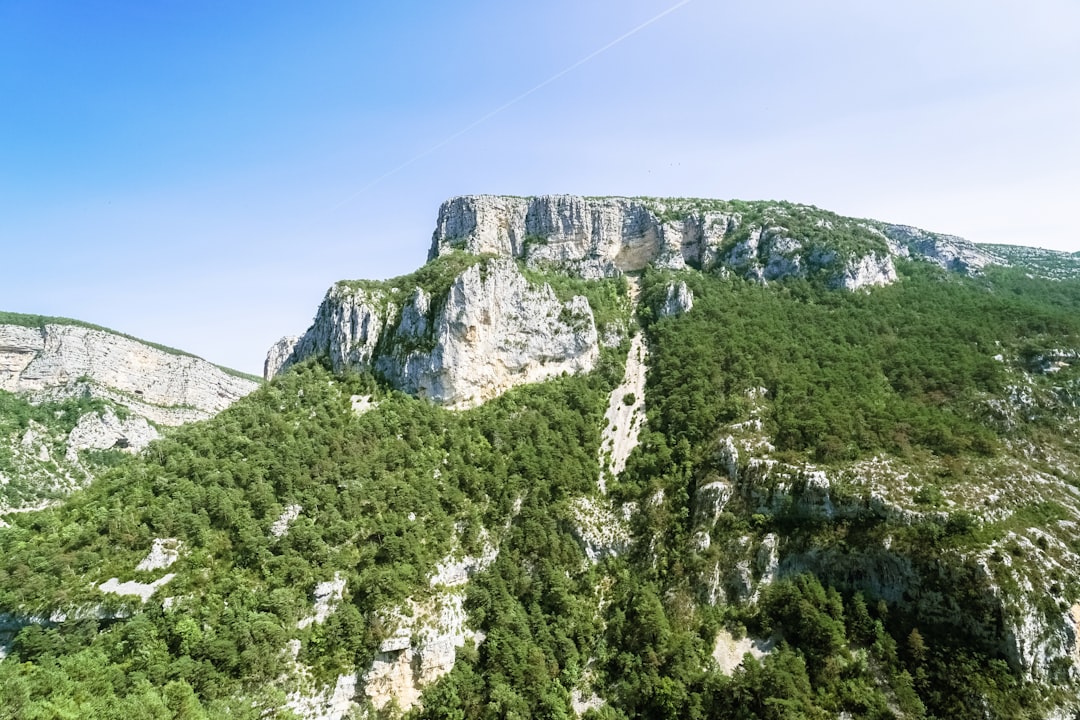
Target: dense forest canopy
913	372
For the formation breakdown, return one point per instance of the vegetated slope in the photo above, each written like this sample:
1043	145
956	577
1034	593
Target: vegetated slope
385	496
72	393
37	464
878	487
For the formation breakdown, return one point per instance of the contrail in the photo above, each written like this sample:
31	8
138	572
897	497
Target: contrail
509	103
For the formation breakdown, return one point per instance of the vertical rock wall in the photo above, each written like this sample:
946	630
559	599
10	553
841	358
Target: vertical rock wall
494	330
47	359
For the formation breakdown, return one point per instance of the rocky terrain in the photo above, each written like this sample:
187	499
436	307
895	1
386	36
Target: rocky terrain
168	388
492	330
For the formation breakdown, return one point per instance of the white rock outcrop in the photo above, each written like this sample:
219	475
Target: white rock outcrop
278	355
594	237
495	330
601	532
163	553
867	271
729	653
328	596
425	637
18	348
143	591
948	251
106	431
362	404
679	300
280	527
346	329
454	572
625	415
709	501
41	360
326	703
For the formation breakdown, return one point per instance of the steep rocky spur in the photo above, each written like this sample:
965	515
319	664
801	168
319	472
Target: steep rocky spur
493	330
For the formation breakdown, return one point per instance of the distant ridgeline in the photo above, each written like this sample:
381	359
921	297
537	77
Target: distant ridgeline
74	395
599	457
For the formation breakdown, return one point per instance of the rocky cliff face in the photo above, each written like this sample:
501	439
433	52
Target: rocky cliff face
493	330
601	237
948	251
55	359
594	237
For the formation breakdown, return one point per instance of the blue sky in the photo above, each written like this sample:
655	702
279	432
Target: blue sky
198	173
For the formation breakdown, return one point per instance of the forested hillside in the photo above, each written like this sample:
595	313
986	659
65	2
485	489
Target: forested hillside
871	494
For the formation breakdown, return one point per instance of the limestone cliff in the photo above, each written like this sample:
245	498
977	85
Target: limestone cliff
167	388
601	237
593	237
492	330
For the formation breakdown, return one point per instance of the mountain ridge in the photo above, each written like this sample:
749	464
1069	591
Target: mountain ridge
593	238
40	321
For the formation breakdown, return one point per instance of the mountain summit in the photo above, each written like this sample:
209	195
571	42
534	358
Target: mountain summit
471	324
603	237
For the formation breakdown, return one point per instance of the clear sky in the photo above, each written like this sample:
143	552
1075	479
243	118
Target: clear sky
198	172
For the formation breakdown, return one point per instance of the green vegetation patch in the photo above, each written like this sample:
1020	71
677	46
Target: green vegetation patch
435	277
847	375
608	297
386	495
